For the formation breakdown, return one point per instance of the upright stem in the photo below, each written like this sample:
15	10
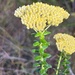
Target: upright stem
58	66
42	44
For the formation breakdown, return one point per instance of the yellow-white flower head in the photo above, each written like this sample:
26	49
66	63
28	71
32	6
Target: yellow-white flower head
65	42
39	16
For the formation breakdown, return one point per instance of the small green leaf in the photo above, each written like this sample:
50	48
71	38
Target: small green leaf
44	62
37	34
43	41
48	66
43	71
45	45
46	32
36	64
36	44
37	58
46	55
34	50
41	51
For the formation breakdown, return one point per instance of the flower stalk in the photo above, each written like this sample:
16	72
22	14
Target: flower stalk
59	62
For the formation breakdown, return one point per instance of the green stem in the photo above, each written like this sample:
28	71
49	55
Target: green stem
42	44
58	66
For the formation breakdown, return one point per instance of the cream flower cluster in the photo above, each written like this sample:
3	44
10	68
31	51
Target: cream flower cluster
39	16
65	42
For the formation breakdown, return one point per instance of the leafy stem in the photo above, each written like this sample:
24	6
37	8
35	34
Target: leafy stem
42	44
63	63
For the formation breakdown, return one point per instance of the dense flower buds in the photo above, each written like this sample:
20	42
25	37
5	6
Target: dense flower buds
39	16
65	42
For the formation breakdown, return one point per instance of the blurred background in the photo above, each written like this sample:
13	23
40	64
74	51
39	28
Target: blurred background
16	41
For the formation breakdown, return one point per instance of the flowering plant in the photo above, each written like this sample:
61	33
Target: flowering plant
39	17
66	45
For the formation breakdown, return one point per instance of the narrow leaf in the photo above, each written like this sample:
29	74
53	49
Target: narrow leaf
37	34
46	55
46	32
36	64
34	50
37	58
43	71
36	44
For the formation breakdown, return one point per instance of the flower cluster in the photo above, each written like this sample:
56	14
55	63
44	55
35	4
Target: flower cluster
39	16
65	42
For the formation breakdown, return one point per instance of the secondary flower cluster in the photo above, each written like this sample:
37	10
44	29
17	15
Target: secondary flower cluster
65	42
39	16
